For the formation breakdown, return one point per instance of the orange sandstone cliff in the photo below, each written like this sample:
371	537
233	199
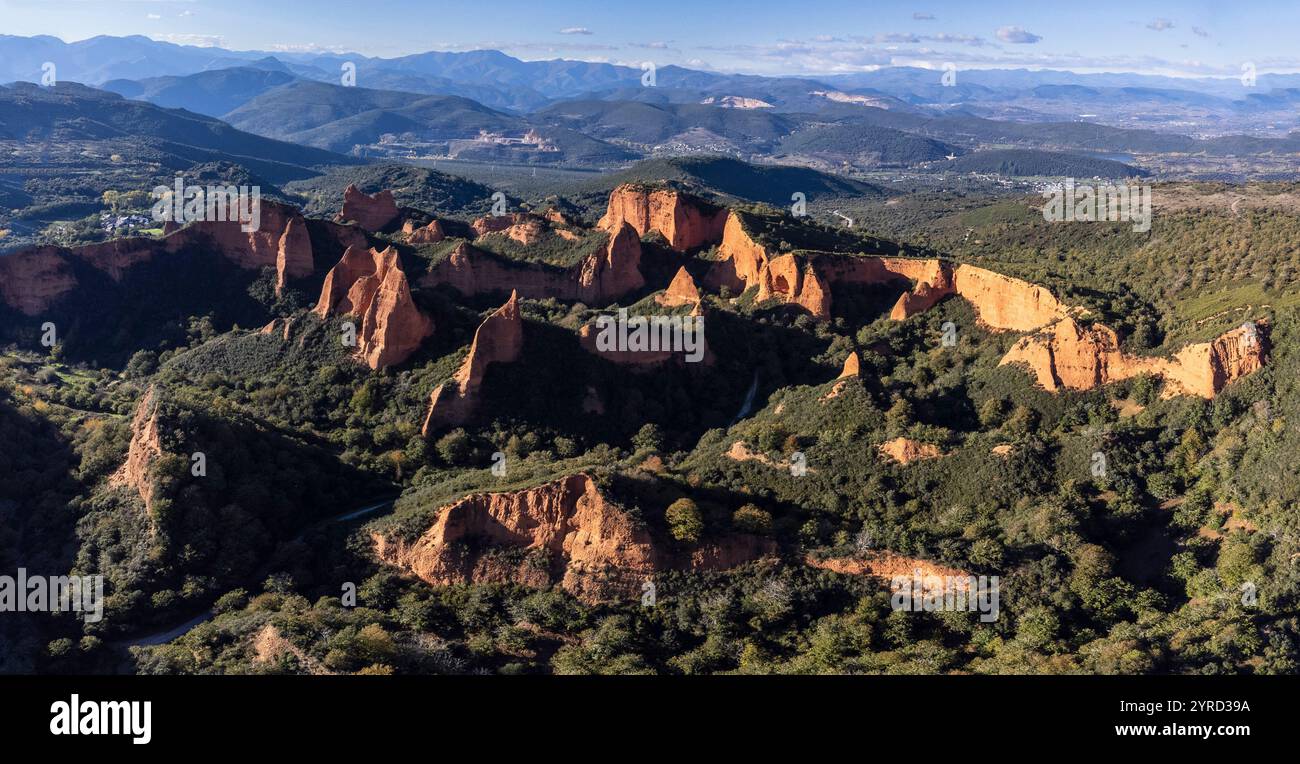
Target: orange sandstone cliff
431	233
372	286
601	277
684	221
1067	355
499	339
681	291
372	213
144	450
34	280
576	535
885	564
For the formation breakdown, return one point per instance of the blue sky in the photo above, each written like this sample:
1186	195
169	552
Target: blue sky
758	36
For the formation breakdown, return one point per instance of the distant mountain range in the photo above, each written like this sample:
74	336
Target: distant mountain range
486	106
504	82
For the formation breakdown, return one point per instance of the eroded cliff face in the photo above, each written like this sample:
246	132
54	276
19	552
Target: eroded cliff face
615	272
144	450
499	339
885	564
576	535
602	277
33	280
430	233
1004	303
293	257
684	221
1067	355
681	291
372	286
1001	303
741	261
373	213
794	281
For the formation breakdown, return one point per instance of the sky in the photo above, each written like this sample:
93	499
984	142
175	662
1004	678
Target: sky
1181	38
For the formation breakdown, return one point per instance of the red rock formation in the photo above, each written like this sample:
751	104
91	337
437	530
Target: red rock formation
684	221
588	544
852	370
498	223
1066	355
1002	302
681	291
372	213
144	450
372	286
293	258
884	564
33	280
599	279
742	259
499	339
790	279
905	451
617	272
426	234
852	367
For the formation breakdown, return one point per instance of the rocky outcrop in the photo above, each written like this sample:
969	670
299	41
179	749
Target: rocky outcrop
852	370
522	227
885	564
497	223
143	451
1067	355
499	339
741	261
372	286
906	451
792	280
1001	303
430	233
683	220
372	213
615	271
852	367
575	535
293	257
34	280
600	278
681	291
1004	303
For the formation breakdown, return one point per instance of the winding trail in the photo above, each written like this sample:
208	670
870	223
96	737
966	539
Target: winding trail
167	635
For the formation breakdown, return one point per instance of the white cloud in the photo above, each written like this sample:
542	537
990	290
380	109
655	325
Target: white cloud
184	14
1019	35
919	16
575	30
1160	25
153	16
1200	32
